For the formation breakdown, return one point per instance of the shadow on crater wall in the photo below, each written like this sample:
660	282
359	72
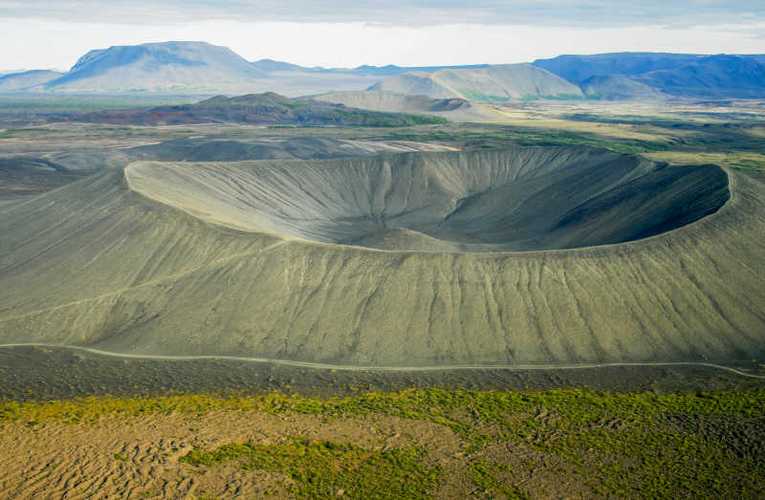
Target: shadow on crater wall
526	198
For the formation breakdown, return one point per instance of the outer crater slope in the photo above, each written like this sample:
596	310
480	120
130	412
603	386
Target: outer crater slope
95	263
531	198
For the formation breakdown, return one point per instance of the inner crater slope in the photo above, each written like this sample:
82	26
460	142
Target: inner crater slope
521	199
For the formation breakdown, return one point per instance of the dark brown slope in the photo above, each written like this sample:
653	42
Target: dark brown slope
260	109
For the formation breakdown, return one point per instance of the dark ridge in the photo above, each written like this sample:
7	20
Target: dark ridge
268	108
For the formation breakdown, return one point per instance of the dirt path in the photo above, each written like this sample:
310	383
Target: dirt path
328	366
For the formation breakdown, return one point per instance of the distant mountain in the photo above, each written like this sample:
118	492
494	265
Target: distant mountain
723	76
392	69
271	66
162	67
577	69
496	83
202	68
261	109
199	68
641	75
27	80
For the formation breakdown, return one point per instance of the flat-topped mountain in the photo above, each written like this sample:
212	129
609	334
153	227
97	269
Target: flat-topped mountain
168	66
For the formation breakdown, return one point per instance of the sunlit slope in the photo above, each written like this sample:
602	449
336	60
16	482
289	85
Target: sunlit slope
95	264
494	83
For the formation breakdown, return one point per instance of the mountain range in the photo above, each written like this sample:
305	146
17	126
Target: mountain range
625	75
205	69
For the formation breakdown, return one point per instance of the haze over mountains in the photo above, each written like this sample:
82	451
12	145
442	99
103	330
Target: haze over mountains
27	80
679	75
205	69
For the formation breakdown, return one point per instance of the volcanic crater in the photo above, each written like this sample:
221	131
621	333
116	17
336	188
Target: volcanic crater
521	199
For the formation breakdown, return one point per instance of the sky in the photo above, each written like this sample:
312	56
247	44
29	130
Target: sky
348	33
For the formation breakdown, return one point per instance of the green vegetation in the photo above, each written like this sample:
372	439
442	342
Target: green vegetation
500	136
322	469
485	474
692	134
78	103
623	444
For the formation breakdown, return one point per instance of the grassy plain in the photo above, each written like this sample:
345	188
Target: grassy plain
409	444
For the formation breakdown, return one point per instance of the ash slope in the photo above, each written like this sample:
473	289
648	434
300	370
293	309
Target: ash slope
519	199
96	264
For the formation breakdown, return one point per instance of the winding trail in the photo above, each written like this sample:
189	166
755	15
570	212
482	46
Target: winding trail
328	366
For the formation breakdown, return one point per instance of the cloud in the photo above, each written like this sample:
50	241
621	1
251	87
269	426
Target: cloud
54	33
28	43
571	13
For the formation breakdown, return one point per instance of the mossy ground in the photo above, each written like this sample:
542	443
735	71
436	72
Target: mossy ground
321	469
612	444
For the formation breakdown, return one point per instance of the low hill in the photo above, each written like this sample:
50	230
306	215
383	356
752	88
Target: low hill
378	100
452	108
263	109
618	87
271	66
496	83
27	80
